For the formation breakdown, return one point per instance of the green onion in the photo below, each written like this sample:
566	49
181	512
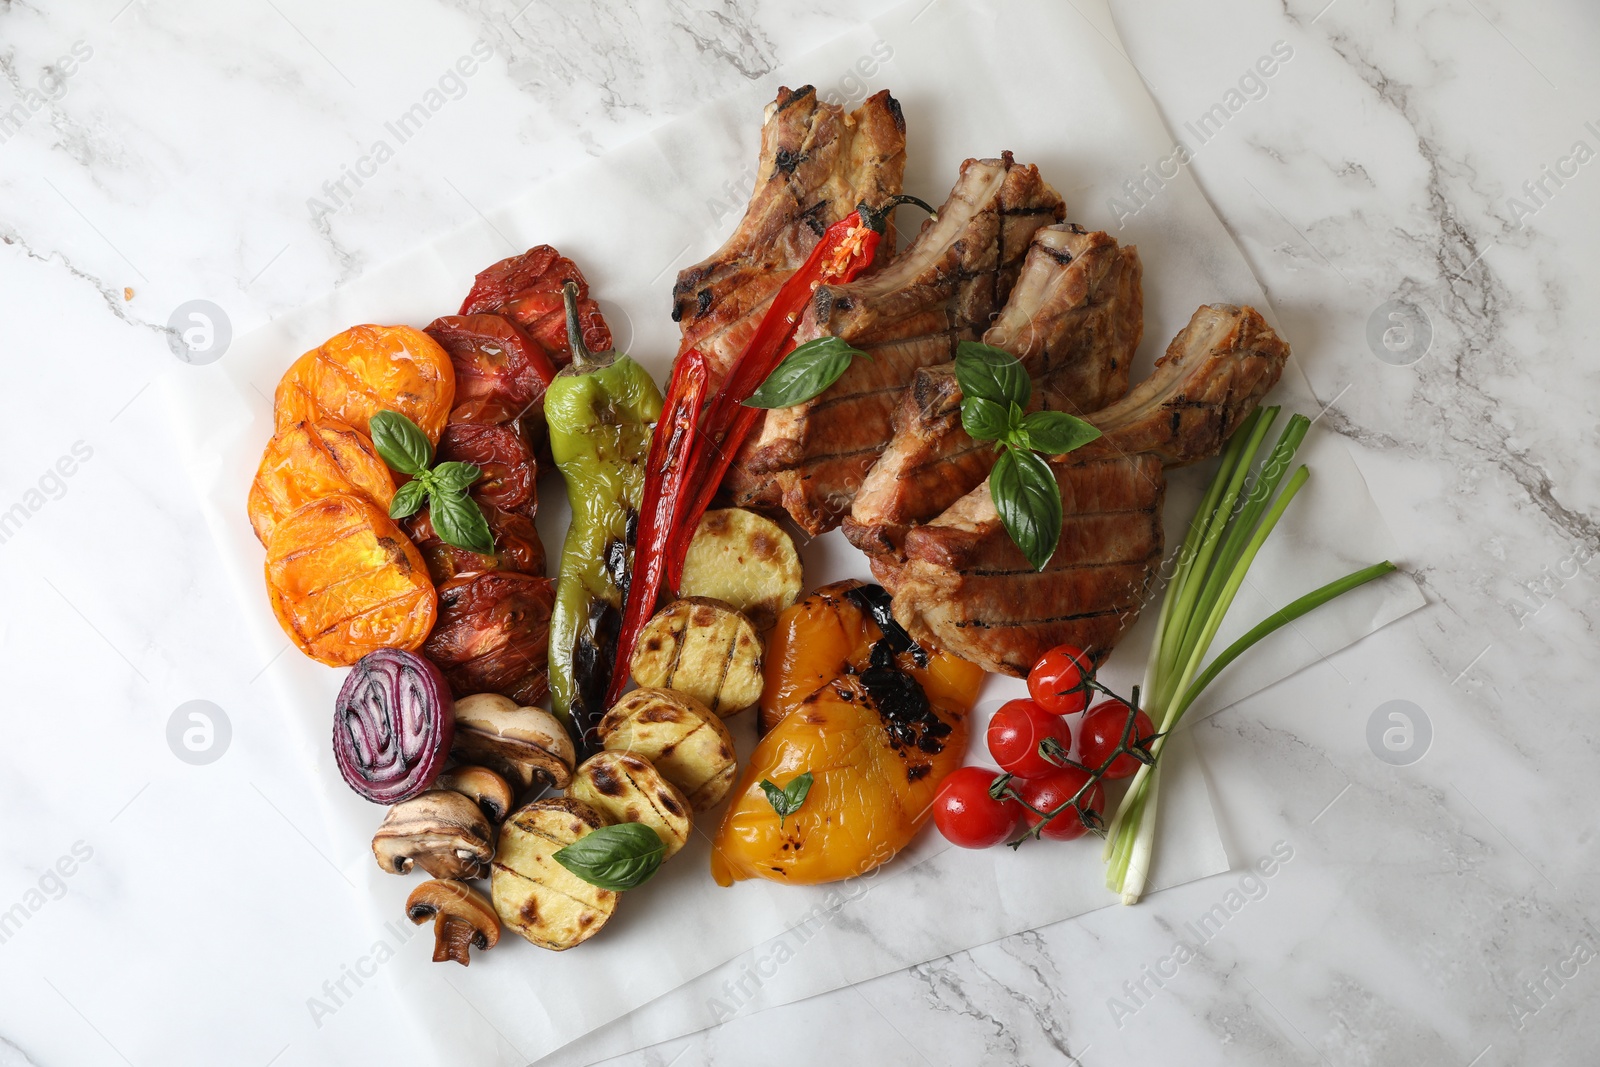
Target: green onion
1203	532
1227	532
1314	599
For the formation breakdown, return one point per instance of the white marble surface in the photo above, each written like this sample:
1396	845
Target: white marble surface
1420	905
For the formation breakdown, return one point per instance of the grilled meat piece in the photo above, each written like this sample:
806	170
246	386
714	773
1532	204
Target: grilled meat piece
964	585
817	163
945	288
1074	319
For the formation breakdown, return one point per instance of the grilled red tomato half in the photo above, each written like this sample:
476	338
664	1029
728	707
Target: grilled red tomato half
493	635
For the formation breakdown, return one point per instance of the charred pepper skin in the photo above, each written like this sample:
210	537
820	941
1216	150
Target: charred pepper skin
878	722
601	410
667	469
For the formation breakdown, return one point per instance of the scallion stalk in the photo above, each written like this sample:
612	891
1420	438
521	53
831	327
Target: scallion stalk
1312	600
1207	529
1222	543
1257	500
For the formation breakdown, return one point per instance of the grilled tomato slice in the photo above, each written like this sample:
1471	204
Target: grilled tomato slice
527	290
876	721
510	472
516	545
501	372
344	581
494	635
311	460
366	369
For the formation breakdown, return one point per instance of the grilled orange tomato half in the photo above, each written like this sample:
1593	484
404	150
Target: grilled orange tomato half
367	369
344	581
311	460
877	721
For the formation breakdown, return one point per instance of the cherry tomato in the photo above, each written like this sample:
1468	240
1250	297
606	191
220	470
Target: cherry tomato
1055	789
1057	681
967	815
1015	733
1101	732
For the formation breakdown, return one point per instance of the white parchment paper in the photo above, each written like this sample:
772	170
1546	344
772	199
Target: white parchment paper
1044	80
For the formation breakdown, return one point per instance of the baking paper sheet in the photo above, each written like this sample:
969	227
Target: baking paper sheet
1044	80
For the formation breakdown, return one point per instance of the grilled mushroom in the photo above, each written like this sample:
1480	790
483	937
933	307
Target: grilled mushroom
462	918
526	745
442	831
491	792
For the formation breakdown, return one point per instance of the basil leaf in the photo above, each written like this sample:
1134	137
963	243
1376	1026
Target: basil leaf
400	442
804	373
616	857
786	800
1014	416
984	419
1055	432
459	521
991	373
454	477
408	499
1028	499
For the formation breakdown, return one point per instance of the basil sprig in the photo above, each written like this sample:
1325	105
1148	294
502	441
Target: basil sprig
456	517
617	857
805	373
994	398
786	800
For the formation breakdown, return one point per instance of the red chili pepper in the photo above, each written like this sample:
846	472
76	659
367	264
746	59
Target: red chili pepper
710	468
846	249
667	469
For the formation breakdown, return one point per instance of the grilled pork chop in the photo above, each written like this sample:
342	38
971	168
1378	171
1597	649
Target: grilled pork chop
816	165
1074	319
967	588
945	288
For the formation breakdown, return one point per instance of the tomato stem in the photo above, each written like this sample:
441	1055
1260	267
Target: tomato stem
1130	745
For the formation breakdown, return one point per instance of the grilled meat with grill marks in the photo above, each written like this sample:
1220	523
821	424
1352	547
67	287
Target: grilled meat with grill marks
967	588
817	163
945	288
1074	319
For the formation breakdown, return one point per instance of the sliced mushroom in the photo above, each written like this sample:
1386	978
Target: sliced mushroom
526	745
491	792
462	918
441	831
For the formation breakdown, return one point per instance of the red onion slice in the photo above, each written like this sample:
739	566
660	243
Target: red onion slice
392	725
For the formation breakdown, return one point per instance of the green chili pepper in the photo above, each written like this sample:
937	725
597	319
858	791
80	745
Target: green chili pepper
601	410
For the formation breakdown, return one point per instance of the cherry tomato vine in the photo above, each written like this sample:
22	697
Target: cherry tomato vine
1130	745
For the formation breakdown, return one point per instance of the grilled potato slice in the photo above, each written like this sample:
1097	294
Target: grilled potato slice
704	648
532	893
681	738
626	787
746	560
